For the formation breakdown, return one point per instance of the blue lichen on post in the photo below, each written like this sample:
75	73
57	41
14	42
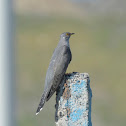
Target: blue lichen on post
73	101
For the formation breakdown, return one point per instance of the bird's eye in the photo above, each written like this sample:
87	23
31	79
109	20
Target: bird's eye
67	34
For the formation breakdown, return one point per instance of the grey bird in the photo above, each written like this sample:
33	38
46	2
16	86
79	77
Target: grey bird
57	68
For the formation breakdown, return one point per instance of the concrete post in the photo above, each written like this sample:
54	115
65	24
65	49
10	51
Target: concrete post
73	101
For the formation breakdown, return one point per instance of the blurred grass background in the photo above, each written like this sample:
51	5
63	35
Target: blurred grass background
98	48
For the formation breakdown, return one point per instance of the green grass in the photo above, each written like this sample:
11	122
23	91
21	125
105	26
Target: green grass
98	47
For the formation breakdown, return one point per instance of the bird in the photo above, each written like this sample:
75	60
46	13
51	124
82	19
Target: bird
60	60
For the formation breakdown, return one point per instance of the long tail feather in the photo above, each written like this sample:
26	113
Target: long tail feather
41	104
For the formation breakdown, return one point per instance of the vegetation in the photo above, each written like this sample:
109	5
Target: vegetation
98	48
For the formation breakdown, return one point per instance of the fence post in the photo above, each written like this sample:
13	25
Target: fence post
73	101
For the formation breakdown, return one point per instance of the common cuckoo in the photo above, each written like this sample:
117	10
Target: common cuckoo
57	68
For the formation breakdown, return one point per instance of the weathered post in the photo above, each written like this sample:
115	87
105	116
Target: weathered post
73	101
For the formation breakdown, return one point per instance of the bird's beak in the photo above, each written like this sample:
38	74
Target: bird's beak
72	33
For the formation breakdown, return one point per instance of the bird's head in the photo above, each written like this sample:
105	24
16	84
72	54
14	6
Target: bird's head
66	35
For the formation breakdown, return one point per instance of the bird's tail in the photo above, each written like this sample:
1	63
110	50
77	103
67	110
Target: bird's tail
41	104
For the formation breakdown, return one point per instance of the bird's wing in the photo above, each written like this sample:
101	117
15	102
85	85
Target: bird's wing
57	68
62	61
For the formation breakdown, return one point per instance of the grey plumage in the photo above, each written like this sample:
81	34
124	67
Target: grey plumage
57	68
